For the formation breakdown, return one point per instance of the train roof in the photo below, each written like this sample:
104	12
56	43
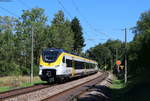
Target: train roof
61	51
55	49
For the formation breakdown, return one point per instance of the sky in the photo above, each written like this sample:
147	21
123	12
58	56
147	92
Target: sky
100	19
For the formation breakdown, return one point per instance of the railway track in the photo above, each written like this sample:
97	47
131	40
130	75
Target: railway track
65	91
72	93
24	90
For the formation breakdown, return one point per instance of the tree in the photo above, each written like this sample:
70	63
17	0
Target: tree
62	35
8	65
105	54
139	48
30	21
15	39
101	54
117	49
144	23
78	35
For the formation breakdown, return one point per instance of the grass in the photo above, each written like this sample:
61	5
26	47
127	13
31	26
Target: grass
30	84
13	82
137	89
117	84
5	88
117	88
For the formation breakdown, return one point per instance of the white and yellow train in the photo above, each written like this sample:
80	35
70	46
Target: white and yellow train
56	64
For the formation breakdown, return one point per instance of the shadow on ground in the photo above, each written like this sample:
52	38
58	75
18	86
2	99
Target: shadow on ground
136	92
96	93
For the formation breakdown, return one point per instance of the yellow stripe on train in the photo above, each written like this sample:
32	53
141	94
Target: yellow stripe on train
58	61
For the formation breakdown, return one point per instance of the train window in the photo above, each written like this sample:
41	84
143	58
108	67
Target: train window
79	65
92	65
89	65
63	60
50	56
69	63
86	64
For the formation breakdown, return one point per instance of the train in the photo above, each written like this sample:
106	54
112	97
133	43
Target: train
58	64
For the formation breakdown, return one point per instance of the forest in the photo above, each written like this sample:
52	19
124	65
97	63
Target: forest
16	38
16	33
137	50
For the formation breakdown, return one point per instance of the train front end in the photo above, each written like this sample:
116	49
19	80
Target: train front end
49	64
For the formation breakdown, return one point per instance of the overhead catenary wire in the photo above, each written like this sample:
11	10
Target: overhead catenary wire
11	13
65	10
76	7
5	0
24	4
85	19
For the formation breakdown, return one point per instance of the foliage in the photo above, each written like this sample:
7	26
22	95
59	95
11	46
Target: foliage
78	35
7	44
16	37
105	54
15	42
137	87
139	48
62	35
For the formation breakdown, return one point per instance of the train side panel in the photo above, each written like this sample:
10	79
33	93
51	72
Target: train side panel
66	65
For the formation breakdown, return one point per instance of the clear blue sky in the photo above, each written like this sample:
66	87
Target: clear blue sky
100	19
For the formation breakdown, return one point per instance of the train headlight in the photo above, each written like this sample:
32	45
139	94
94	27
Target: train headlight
57	66
40	66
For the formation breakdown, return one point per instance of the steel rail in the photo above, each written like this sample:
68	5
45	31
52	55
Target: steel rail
71	93
37	88
19	91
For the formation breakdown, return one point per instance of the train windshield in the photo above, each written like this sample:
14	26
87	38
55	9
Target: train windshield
50	56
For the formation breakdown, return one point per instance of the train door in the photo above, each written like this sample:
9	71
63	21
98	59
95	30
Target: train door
64	65
64	62
69	65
